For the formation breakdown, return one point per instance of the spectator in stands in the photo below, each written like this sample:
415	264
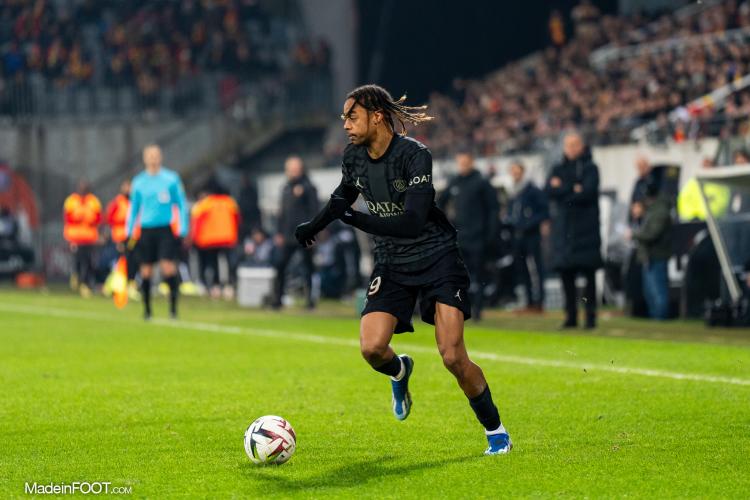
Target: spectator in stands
299	199
82	214
654	248
527	210
472	203
573	191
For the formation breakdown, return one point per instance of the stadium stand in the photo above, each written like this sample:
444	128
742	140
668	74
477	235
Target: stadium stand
84	57
617	73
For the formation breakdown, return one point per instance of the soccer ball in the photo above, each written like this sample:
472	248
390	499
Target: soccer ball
270	440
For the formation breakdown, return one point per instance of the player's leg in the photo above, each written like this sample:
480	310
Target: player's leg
449	334
376	331
388	310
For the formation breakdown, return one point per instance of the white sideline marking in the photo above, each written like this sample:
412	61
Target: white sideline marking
319	339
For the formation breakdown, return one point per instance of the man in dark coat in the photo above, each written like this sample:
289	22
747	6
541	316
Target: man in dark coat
299	199
471	203
527	210
573	191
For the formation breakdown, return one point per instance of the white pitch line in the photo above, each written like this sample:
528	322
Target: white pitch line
320	339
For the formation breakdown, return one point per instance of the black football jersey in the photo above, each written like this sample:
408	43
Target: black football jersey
406	166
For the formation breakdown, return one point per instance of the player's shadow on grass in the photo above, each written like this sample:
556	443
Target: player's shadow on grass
349	475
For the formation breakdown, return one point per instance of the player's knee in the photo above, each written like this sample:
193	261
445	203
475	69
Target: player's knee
373	352
454	360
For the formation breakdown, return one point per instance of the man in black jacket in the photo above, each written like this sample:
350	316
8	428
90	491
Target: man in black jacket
472	202
299	199
527	210
573	191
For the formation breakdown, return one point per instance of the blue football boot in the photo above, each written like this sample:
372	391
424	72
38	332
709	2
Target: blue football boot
498	444
400	388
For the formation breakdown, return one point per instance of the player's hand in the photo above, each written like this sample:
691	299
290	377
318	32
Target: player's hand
338	205
120	247
555	182
305	234
578	188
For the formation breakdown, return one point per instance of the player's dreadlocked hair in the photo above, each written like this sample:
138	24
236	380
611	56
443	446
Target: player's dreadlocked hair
376	98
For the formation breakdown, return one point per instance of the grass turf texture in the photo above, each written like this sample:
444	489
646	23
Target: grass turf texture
94	394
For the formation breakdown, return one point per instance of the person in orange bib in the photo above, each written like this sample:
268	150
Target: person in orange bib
215	221
116	217
82	214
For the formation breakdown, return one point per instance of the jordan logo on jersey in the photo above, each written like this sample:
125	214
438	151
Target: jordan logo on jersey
458	296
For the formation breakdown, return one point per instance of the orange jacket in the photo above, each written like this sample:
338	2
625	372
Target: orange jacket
215	221
117	216
82	216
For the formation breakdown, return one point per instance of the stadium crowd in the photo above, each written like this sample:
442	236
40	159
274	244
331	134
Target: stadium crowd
144	44
544	94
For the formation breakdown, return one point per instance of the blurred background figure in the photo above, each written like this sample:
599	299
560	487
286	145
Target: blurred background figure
258	249
573	191
249	209
299	199
215	224
82	214
8	228
471	204
159	205
654	246
527	210
116	218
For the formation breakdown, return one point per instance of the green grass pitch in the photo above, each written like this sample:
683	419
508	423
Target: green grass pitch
90	393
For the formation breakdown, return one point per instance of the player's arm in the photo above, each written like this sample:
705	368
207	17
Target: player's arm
417	204
407	225
341	199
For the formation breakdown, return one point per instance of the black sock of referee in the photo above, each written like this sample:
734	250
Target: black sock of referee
174	290
486	412
391	368
146	292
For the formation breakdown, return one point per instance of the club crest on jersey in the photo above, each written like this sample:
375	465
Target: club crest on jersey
385	208
420	179
399	185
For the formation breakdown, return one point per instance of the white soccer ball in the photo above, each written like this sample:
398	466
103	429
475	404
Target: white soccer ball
270	440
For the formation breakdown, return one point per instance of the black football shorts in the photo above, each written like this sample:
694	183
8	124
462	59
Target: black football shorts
396	292
157	243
